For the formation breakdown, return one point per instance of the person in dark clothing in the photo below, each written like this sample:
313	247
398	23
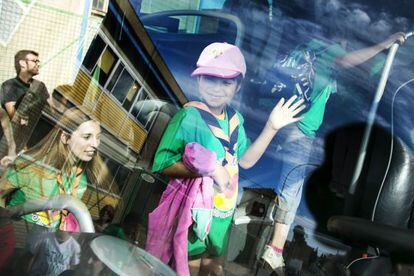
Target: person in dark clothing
26	63
6	129
23	97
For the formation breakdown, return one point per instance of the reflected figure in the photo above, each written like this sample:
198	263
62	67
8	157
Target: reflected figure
299	253
54	253
24	97
315	62
62	163
106	215
214	126
105	225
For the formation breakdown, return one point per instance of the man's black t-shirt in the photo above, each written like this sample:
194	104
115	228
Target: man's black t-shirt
30	100
13	90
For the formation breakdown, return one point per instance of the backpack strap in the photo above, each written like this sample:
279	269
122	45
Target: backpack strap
228	141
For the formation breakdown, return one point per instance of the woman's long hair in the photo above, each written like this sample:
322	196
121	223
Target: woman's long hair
53	152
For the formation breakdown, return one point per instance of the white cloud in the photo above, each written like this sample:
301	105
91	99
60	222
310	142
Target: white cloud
359	17
380	27
332	6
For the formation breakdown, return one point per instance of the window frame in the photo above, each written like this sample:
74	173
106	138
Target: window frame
99	11
124	62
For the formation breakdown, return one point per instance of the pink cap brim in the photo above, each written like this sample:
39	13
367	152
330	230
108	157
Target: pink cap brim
215	72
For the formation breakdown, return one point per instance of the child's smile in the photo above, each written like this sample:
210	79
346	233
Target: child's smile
217	92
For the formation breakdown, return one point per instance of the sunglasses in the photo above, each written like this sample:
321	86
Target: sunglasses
37	61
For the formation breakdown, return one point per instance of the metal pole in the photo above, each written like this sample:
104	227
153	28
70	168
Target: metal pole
373	111
371	116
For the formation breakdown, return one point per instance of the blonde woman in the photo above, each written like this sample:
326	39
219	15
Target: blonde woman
61	163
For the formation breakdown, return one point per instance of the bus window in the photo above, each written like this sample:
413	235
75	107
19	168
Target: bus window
130	96
151	6
185	24
115	77
125	89
92	56
104	66
145	109
280	39
100	6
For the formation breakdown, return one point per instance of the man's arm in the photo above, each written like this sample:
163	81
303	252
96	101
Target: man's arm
282	115
360	56
10	108
8	132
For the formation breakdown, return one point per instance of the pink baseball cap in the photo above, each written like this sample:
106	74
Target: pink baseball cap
221	60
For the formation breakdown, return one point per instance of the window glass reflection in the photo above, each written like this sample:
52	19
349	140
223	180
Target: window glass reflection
92	56
100	5
96	57
125	89
115	77
104	66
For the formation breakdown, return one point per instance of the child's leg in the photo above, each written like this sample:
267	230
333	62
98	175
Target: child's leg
280	234
294	151
212	266
194	266
287	202
216	246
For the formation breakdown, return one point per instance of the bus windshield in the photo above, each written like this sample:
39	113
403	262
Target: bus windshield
244	137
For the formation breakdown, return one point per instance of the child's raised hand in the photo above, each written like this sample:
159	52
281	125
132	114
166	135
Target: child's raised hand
284	113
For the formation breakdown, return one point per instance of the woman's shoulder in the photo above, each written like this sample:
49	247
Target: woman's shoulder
26	164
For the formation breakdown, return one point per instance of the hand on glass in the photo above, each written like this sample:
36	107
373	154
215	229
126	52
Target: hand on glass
284	113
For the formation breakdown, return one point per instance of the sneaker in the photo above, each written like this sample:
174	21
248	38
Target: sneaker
274	260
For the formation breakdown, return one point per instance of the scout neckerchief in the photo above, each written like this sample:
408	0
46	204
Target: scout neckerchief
44	171
226	200
73	192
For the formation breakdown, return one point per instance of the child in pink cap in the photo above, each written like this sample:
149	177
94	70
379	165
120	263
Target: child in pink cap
216	126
